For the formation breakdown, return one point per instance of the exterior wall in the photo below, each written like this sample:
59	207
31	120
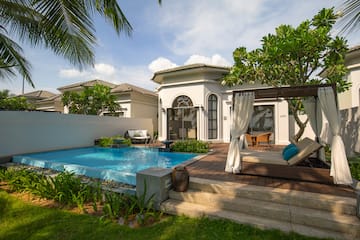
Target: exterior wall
25	132
199	91
167	95
144	106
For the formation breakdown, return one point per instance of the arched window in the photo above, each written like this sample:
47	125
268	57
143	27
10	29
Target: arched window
212	117
182	101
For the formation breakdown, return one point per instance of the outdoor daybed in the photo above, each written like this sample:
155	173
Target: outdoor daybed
272	164
137	135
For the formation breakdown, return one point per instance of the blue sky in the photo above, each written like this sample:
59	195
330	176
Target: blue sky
173	34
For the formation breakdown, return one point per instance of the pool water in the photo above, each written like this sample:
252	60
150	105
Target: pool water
117	164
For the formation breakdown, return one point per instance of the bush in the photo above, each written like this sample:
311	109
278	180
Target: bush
15	104
109	141
354	164
193	146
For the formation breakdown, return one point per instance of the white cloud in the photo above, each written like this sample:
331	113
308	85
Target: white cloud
161	63
136	75
104	69
210	27
214	60
71	73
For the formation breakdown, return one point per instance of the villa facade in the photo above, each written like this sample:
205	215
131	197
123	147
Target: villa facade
193	104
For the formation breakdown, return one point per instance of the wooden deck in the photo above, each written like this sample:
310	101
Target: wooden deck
212	167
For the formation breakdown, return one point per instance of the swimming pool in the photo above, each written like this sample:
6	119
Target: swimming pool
117	164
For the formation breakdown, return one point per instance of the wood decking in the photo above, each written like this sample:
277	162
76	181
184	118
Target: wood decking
212	167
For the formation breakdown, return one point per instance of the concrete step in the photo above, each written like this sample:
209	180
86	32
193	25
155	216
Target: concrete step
276	211
330	203
176	207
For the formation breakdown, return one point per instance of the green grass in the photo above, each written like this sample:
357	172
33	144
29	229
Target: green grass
20	220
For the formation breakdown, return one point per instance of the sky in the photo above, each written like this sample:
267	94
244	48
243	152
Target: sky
172	34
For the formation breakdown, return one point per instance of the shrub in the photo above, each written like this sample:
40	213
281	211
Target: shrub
193	146
354	164
109	141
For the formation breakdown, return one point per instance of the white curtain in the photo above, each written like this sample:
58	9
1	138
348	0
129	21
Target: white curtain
243	109
339	165
313	110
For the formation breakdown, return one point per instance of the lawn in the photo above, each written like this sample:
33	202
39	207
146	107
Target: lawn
22	220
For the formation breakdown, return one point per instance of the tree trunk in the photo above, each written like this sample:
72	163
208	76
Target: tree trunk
295	106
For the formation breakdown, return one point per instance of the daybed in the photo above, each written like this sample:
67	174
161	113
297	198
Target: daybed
137	135
272	164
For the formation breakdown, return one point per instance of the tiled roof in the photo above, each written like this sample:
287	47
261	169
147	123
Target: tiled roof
40	94
126	87
87	83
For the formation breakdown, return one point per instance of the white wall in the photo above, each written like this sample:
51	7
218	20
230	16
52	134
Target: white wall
25	132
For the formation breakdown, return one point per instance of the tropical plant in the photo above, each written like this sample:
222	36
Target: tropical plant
10	102
91	101
109	141
294	56
349	12
193	146
64	26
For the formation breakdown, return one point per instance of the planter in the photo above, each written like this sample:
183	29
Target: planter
180	179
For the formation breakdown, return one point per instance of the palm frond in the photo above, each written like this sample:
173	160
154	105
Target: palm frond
112	12
67	29
12	61
21	19
349	20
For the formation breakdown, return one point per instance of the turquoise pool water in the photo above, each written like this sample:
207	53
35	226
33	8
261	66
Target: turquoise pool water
117	164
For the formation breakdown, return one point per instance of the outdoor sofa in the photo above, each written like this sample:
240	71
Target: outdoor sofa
138	135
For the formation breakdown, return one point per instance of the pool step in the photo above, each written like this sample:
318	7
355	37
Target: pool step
310	214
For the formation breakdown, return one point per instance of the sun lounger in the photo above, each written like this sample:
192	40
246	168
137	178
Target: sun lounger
137	135
272	164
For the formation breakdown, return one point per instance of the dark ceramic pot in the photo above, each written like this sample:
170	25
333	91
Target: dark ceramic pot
180	179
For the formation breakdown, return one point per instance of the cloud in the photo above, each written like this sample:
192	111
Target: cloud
210	27
136	75
161	63
104	69
214	60
71	73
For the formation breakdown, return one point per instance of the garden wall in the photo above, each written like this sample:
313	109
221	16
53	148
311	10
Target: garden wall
25	132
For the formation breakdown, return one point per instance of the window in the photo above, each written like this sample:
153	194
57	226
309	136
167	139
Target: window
212	117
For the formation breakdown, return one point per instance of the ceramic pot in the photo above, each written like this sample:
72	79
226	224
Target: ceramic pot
180	179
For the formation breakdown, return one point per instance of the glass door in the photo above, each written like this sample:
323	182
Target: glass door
182	123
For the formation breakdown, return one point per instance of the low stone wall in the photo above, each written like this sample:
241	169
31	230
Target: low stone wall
26	132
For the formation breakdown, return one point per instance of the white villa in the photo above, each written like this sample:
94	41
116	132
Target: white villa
194	105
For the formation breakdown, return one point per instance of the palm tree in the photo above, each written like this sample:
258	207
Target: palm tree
349	20
64	26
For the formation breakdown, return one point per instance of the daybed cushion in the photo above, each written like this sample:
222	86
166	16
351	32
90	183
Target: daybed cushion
263	157
306	148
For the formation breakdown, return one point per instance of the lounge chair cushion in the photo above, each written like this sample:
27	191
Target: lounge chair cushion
290	151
